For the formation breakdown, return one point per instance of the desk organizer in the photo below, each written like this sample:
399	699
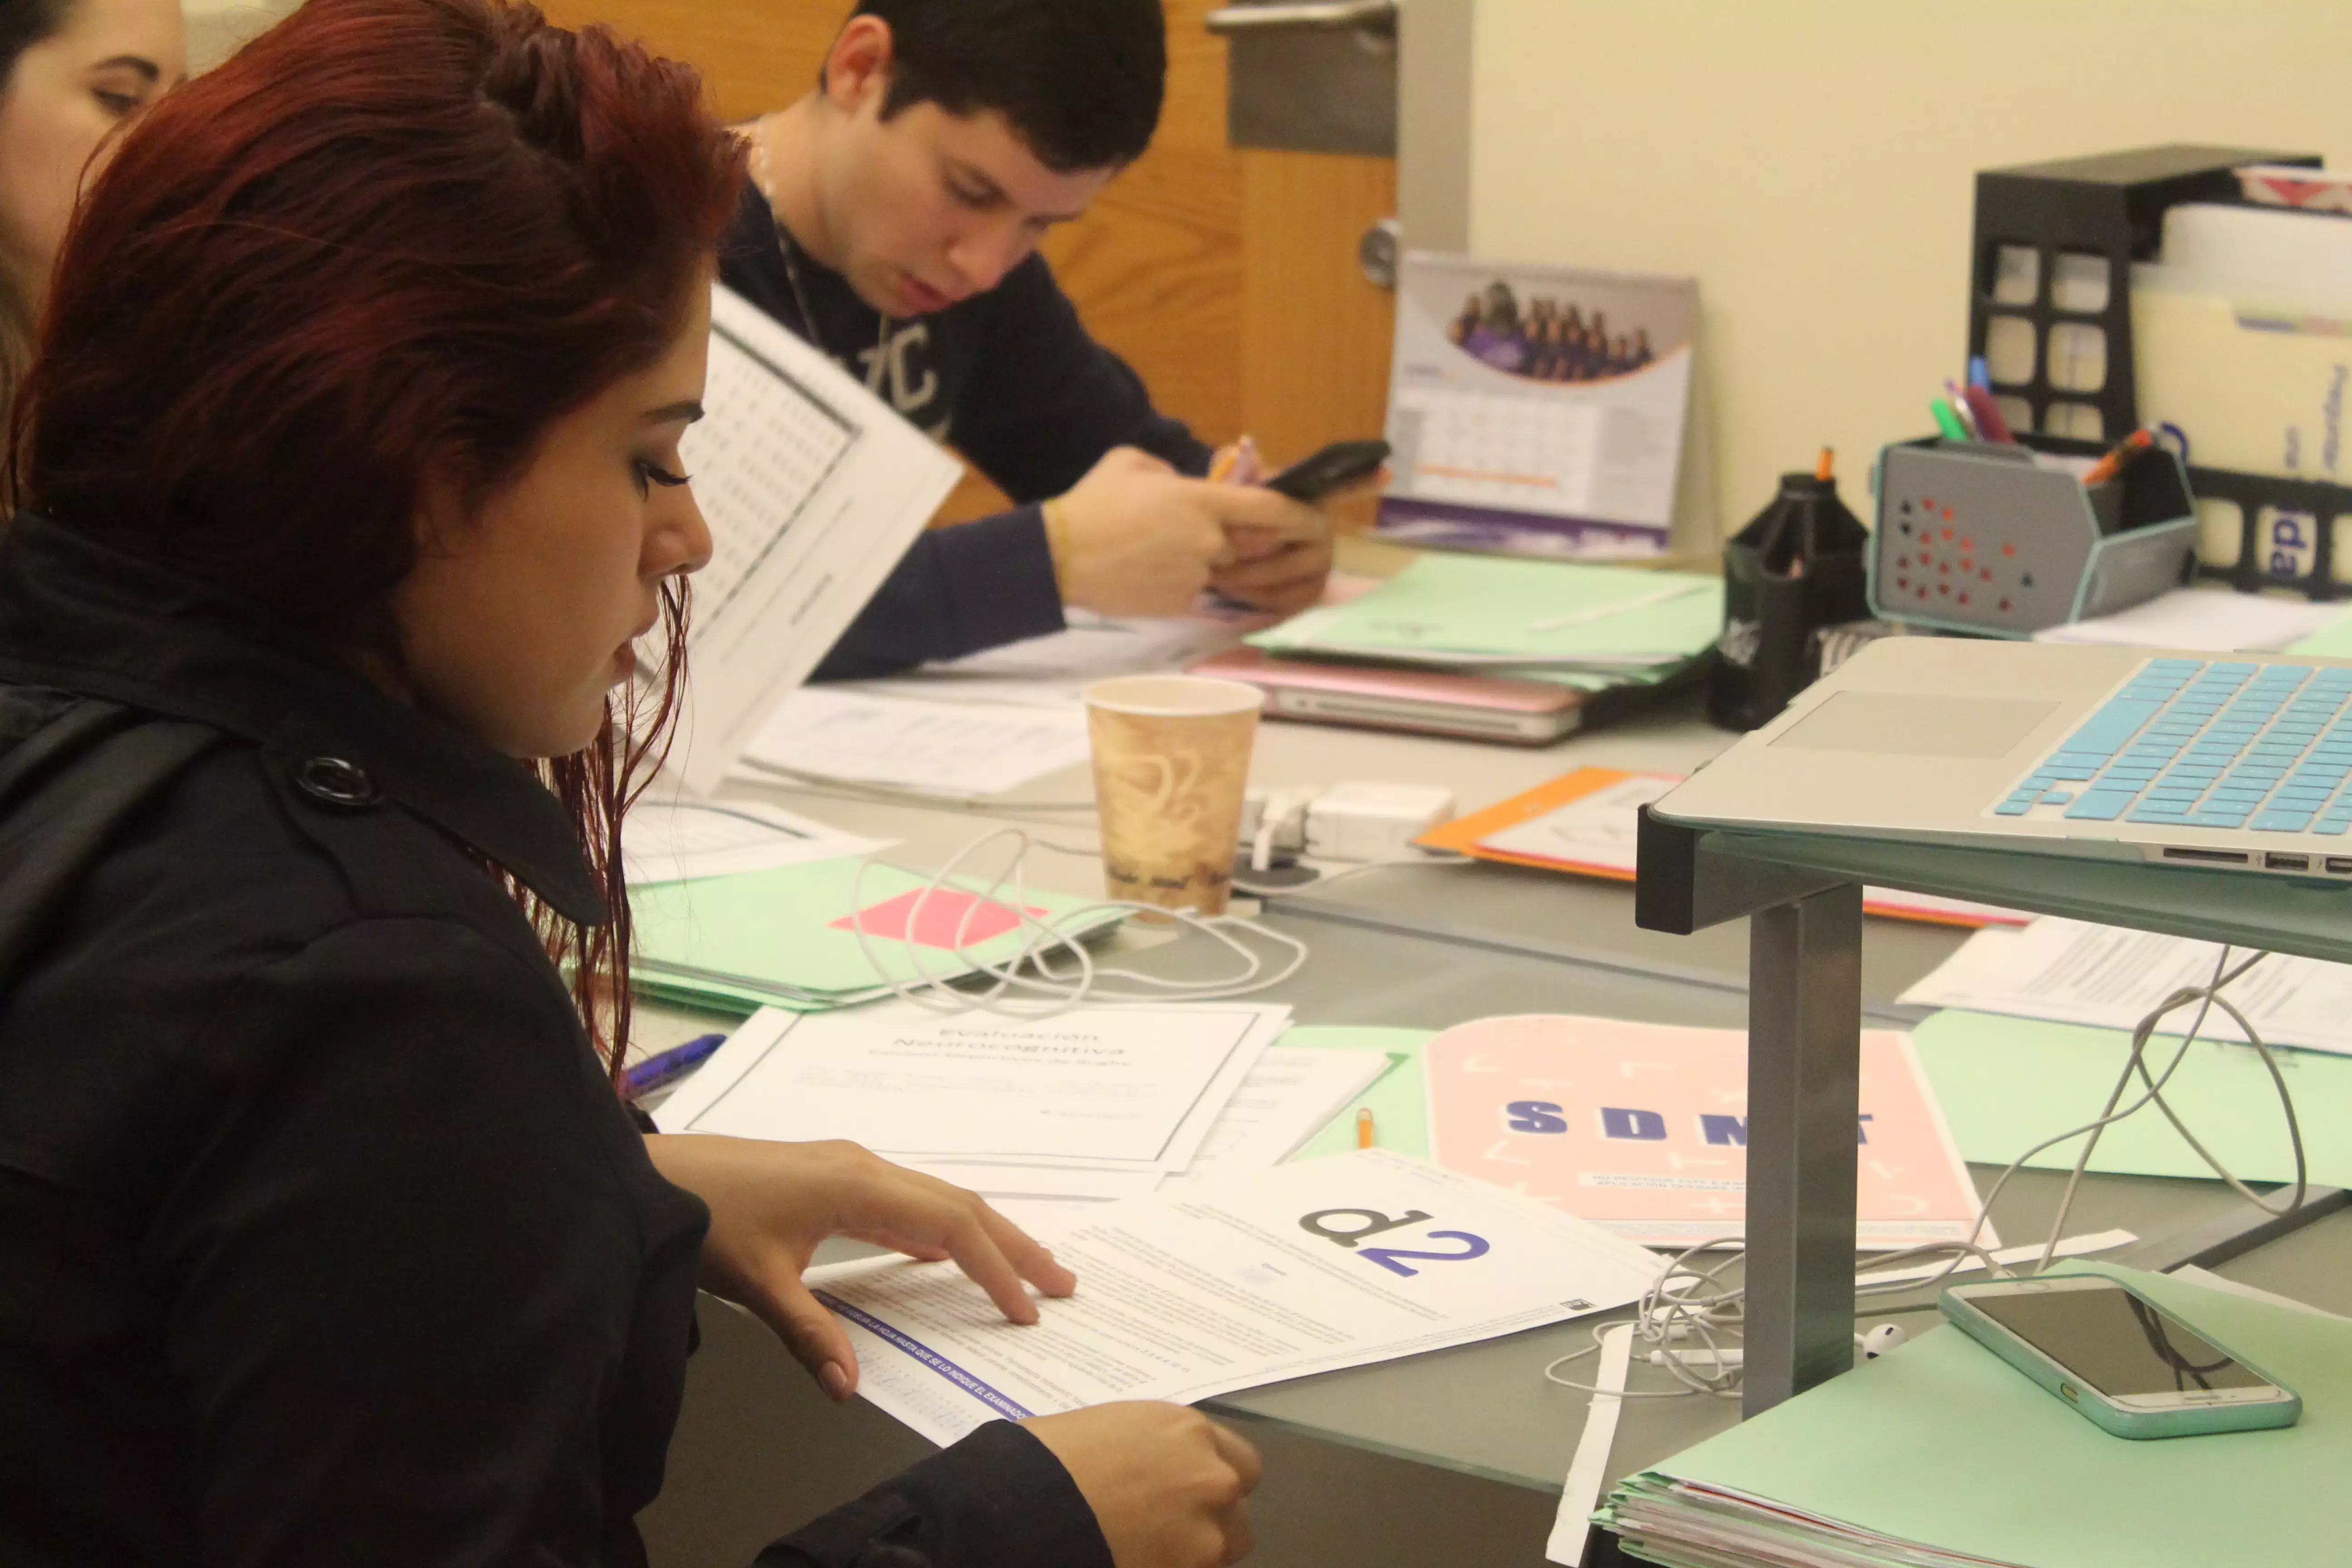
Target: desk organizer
2051	254
1975	537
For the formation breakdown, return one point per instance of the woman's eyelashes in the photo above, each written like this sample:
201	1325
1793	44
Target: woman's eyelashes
650	473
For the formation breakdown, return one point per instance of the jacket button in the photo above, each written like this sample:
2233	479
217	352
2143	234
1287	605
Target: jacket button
337	782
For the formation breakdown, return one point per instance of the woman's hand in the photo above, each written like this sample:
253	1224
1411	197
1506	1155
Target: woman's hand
1168	1486
772	1204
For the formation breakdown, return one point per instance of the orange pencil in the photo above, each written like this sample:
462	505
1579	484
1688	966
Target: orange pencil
1364	1131
2108	466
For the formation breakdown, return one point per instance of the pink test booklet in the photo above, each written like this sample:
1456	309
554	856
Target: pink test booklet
1642	1128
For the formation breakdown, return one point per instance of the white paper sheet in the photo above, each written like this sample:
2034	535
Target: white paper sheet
679	840
1121	1087
1589	1466
2076	972
1285	1101
2214	620
948	748
813	488
1327	1263
1598	831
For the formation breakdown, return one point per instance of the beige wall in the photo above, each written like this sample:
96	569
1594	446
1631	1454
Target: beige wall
1811	162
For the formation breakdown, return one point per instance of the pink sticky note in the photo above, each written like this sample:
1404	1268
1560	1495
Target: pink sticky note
940	917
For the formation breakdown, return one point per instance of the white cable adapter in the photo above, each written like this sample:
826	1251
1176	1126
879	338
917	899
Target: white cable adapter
1361	821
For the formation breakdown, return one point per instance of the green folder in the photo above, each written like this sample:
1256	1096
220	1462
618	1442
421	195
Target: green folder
1397	1100
1449	609
1980	1062
776	938
1943	1445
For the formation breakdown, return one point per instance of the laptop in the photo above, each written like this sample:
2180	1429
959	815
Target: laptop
2231	761
1432	702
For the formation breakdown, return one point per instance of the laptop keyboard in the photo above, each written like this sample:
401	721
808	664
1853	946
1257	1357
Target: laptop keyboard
2206	743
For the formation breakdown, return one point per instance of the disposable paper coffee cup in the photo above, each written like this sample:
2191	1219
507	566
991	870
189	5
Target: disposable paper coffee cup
1171	762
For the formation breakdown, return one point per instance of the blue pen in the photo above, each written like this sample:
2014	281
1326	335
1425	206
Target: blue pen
660	1068
1980	373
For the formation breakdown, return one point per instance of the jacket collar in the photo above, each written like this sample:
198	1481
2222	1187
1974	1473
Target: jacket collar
81	616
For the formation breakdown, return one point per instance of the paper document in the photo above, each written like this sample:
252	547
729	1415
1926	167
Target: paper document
1642	1128
2074	973
948	748
1595	827
1286	1100
1308	1268
813	488
677	840
2215	620
1132	1086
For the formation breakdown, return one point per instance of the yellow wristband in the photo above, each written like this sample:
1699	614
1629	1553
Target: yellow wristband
1057	542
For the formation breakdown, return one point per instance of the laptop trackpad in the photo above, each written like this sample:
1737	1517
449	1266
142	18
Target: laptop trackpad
1896	724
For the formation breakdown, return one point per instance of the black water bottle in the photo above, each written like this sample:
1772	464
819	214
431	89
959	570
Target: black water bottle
1796	569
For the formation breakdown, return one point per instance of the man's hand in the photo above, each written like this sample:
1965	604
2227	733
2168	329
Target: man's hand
1137	538
1168	1486
772	1204
1281	575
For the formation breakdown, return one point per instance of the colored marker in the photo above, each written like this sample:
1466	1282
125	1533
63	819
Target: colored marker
1946	421
676	1062
1365	1133
1980	373
1990	422
1826	468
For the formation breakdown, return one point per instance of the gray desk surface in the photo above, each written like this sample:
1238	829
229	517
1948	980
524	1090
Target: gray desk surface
1433	946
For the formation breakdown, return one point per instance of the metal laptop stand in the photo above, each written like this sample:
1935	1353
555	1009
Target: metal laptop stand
1802	897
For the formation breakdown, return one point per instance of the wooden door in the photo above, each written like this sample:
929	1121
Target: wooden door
1227	279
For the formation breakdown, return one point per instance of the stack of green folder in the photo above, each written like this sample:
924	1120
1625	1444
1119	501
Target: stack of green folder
780	938
1942	1453
1589	626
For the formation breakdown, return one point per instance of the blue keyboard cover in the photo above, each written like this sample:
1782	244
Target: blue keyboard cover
2190	742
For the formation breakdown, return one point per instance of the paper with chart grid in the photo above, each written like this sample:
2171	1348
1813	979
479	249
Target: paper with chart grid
813	490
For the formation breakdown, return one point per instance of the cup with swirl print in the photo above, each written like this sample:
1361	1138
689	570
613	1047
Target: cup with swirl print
1171	755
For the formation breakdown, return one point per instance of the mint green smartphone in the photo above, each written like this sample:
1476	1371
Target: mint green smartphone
2126	1363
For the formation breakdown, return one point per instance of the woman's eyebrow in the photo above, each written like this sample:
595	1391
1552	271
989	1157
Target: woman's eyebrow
138	63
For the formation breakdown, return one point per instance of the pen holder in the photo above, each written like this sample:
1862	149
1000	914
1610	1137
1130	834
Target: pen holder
1976	536
1795	569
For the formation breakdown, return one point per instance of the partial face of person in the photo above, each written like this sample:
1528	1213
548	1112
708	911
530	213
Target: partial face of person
927	207
64	106
522	612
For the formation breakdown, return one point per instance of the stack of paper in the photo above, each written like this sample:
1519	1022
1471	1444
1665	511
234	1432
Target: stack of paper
1940	1453
956	748
1092	1104
1320	1265
1524	618
681	840
826	933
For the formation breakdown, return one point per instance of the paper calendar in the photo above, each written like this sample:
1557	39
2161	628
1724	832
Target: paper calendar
1536	409
813	490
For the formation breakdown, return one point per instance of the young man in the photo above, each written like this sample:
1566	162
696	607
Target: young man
893	219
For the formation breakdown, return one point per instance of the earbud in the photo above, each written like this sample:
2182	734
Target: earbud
1881	1339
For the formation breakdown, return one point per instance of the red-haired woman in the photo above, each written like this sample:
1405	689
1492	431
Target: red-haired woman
350	472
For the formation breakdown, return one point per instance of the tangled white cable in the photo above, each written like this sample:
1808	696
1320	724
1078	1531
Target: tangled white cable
1687	1304
1027	983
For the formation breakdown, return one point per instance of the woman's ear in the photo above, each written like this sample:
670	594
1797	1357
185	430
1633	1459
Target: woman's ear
441	510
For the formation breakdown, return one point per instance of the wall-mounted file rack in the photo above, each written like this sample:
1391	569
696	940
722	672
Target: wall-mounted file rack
2050	310
1975	537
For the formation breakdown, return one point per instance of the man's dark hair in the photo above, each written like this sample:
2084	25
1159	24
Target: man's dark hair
1079	82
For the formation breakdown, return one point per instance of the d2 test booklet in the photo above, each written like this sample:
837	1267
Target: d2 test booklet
1308	1268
